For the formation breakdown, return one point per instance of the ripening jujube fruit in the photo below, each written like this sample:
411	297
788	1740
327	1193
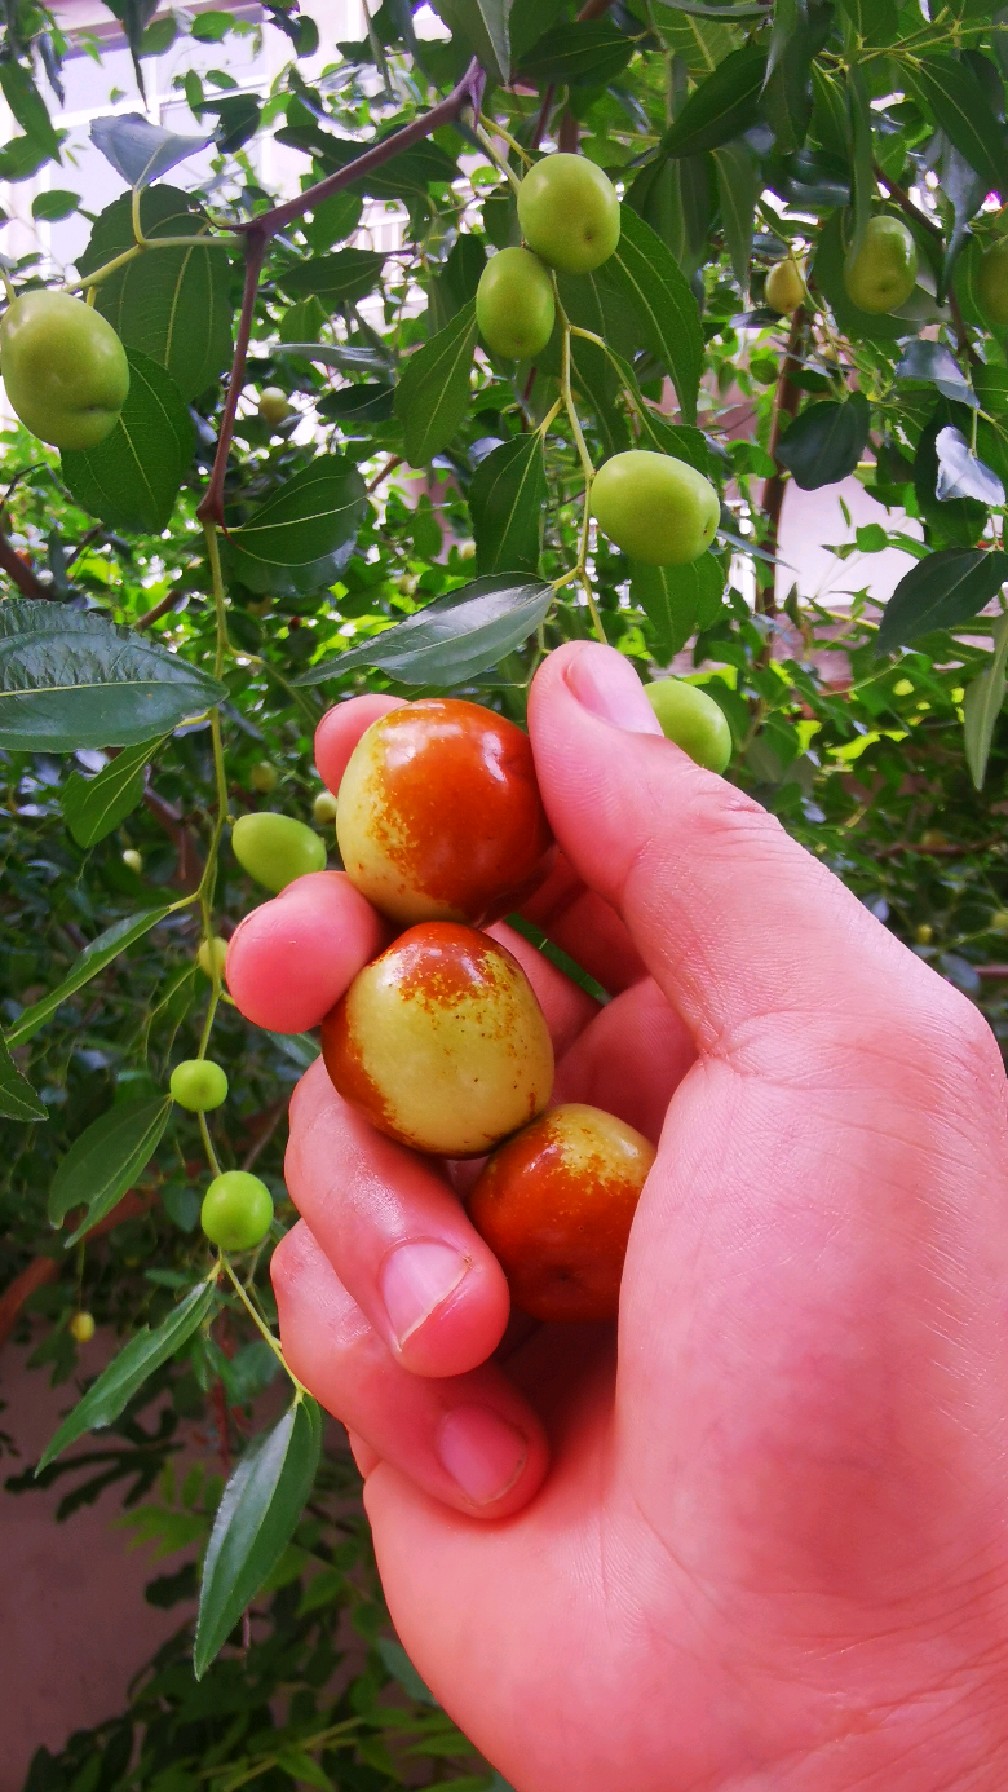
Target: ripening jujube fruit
883	273
656	508
132	859
569	212
785	287
556	1202
324	809
440	1042
275	849
81	1327
199	1084
237	1211
274	406
64	368
515	308
264	777
693	720
439	815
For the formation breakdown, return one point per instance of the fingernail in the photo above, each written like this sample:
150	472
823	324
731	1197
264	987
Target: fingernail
605	683
416	1278
482	1453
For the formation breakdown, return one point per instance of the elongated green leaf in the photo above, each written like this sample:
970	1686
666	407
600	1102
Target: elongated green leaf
483	26
18	1100
676	196
451	639
432	395
173	305
335	279
825	442
132	479
106	1159
944	590
644	273
983	703
678	600
593	51
506	501
876	21
723	106
679	439
71	679
110	1394
318	511
255	1521
739	180
93	959
863	188
950	92
93	807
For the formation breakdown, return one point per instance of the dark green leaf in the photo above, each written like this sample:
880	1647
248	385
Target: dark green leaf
594	51
483	26
739	182
506	501
982	705
18	1100
950	92
862	162
961	474
132	479
316	512
139	151
109	1395
58	203
106	1160
676	196
28	107
875	21
644	273
336	279
825	442
725	105
948	588
255	1521
70	679
678	600
93	807
452	639
94	958
432	395
682	440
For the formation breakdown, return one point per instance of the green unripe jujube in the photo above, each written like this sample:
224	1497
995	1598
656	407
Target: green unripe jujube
275	849
693	720
237	1211
656	508
990	283
883	273
199	1084
64	368
569	213
515	309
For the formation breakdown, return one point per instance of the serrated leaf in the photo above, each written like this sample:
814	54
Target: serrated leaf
18	1100
950	92
678	600
825	442
259	1511
948	588
71	679
312	515
506	500
452	639
739	181
93	807
174	305
107	1397
94	958
982	704
644	273
140	151
336	279
961	474
106	1160
132	478
432	394
725	105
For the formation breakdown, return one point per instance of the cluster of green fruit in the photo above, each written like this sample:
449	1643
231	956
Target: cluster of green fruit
237	1209
880	274
656	508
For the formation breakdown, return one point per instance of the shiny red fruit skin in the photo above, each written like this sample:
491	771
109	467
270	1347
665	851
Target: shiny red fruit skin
440	1042
555	1203
439	813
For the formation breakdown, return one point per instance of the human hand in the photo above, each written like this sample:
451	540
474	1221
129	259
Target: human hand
756	1541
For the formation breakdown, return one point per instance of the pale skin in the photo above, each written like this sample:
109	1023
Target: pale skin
756	1539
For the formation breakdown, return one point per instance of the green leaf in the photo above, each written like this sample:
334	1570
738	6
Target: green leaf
69	679
452	639
725	105
983	703
336	279
644	273
863	187
676	196
107	1397
57	203
948	588
317	512
140	151
257	1517
825	442
680	439
173	305
951	93
875	21
93	807
106	1160
678	600
432	395
18	1100
28	107
593	51
506	501
132	479
94	958
739	181
961	474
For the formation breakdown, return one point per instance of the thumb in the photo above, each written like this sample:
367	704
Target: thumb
732	917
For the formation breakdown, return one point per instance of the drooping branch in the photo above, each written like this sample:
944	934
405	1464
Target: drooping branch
259	232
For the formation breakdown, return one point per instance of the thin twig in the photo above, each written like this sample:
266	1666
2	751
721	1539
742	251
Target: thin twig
788	399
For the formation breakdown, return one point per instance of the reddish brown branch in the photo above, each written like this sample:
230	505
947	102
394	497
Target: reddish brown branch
19	572
788	399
